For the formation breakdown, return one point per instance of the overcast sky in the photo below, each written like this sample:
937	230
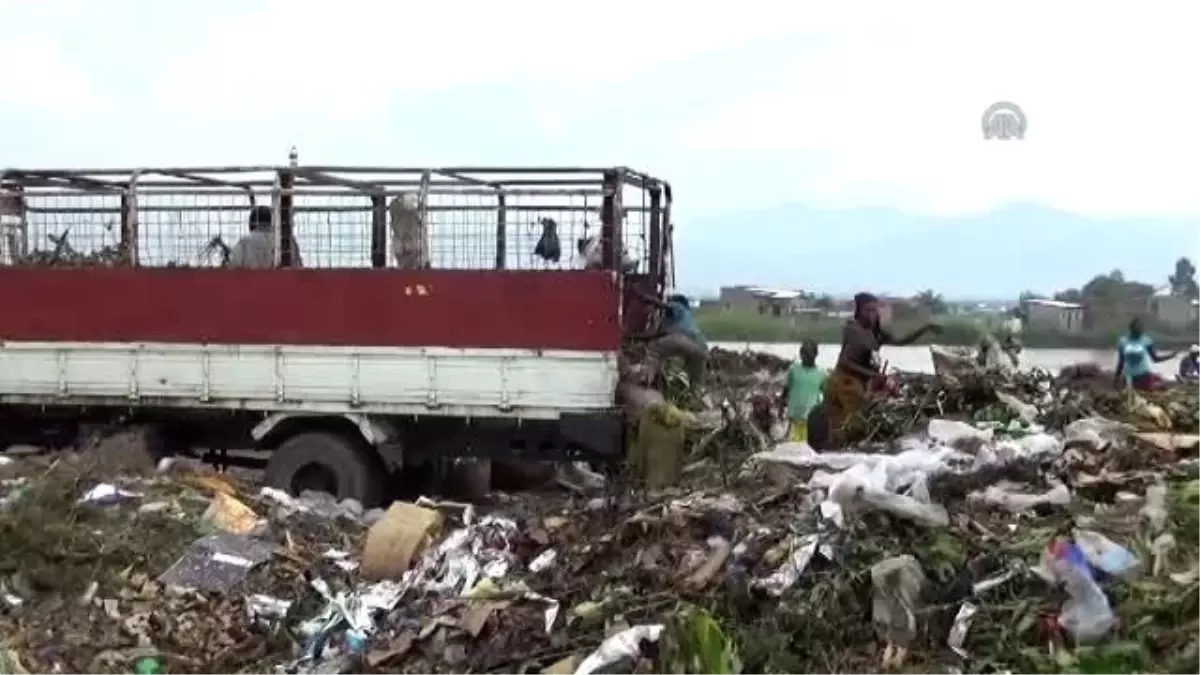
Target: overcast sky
741	105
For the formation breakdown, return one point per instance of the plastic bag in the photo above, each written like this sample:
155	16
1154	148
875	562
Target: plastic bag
626	644
950	432
1154	511
548	246
1095	433
1011	497
1086	614
1107	555
897	585
1024	410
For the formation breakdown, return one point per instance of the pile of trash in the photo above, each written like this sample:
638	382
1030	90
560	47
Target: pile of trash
962	541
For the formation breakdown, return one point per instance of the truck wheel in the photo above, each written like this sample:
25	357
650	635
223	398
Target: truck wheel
326	462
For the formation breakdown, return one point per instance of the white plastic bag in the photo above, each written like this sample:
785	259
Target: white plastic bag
1094	433
1026	411
626	644
950	432
1009	496
1154	511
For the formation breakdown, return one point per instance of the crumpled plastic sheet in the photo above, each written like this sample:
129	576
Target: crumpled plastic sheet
1010	496
1154	511
358	609
896	483
794	565
544	561
485	589
1086	614
625	644
897	583
266	608
457	563
950	432
1095	433
106	493
960	628
1107	555
707	504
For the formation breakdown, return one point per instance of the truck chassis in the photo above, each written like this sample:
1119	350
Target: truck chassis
360	369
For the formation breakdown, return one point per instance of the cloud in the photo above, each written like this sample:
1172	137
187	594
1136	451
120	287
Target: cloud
859	103
40	81
353	63
888	111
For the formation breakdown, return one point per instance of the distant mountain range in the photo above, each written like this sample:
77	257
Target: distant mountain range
991	255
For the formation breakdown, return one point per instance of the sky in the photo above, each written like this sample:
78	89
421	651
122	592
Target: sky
856	107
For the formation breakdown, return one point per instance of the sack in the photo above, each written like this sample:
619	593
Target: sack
659	446
548	246
410	245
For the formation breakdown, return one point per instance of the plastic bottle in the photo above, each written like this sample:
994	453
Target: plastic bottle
148	665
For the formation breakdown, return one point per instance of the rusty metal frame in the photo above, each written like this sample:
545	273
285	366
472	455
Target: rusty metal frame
282	182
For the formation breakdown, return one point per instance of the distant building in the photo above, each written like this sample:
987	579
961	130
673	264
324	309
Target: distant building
738	297
1055	315
1176	311
777	302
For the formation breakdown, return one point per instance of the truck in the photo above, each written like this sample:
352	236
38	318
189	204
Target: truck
438	313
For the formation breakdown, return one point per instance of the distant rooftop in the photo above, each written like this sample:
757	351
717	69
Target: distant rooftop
1059	304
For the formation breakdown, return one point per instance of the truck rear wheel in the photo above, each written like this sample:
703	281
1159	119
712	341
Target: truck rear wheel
326	462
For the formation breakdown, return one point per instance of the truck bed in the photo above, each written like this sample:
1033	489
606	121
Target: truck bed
533	384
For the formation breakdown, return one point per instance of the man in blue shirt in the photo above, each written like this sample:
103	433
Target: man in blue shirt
1136	356
678	337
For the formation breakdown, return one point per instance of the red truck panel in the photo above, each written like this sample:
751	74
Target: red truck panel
574	310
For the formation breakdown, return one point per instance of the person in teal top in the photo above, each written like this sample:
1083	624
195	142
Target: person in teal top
1136	356
677	337
679	318
802	390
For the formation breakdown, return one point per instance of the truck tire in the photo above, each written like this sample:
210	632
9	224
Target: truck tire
326	462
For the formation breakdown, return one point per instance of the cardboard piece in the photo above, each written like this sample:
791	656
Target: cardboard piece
231	515
475	618
399	536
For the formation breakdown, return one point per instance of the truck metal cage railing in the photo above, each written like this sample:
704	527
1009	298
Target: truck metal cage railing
339	216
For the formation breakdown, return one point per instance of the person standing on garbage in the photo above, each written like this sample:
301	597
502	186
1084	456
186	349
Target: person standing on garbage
679	337
858	365
1136	356
802	391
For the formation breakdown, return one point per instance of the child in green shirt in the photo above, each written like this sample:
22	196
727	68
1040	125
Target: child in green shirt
802	390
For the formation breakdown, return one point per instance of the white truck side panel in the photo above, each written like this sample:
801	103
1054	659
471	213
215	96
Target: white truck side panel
378	380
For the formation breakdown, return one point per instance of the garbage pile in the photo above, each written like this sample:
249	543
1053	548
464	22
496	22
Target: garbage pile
964	542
